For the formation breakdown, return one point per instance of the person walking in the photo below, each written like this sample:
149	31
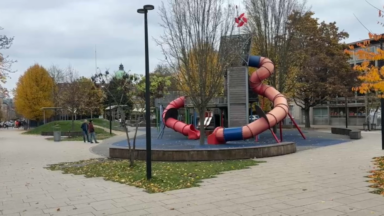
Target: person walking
91	130
84	127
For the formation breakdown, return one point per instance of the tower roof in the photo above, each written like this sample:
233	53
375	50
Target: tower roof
121	67
120	73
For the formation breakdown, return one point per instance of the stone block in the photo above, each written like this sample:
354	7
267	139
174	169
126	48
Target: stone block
355	134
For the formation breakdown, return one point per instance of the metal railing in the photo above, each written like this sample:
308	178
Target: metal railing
213	101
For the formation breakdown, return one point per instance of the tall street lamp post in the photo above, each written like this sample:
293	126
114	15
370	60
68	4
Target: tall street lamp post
380	64
110	117
144	11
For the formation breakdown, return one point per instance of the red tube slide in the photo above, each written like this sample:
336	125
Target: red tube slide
265	69
170	119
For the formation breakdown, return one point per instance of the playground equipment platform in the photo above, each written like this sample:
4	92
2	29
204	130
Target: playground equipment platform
174	151
176	147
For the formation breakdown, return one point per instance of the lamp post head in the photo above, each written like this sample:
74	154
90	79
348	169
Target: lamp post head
149	7
141	11
145	9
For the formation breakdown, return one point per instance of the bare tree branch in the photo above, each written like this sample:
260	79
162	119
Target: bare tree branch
71	97
373	5
5	62
268	24
190	43
120	91
361	23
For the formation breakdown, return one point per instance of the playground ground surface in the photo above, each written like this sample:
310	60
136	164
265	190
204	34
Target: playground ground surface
174	140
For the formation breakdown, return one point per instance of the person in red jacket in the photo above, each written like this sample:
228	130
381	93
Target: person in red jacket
91	130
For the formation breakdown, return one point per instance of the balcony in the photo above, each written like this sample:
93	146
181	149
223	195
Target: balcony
213	103
353	101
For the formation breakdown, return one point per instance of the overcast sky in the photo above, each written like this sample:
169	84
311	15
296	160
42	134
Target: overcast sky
65	32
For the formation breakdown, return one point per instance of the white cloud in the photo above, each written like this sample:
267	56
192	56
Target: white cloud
65	32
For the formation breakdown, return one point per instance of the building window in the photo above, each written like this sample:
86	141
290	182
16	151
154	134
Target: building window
320	112
320	116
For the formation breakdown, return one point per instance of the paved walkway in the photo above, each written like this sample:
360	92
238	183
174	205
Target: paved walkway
118	133
324	181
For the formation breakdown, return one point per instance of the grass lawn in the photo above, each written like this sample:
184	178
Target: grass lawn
166	175
377	176
105	124
66	126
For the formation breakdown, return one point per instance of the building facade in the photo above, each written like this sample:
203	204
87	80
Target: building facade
7	109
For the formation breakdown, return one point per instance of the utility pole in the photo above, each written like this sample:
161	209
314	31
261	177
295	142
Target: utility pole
382	102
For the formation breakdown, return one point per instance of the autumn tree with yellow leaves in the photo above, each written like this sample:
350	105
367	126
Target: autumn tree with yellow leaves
371	75
190	75
93	98
34	91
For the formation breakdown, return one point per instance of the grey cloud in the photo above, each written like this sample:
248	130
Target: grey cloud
65	32
34	5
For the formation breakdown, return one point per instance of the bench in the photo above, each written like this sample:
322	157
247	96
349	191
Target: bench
353	134
68	133
341	131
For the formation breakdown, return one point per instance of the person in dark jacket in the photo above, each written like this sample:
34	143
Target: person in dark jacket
91	130
84	127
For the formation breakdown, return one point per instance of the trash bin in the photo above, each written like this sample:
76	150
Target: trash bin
57	136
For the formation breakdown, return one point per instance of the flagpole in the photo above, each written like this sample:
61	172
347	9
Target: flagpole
237	15
95	60
240	20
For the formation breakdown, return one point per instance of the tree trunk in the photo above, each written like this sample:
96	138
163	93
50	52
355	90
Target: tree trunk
366	110
131	159
307	122
374	114
123	124
202	129
133	154
346	112
73	122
